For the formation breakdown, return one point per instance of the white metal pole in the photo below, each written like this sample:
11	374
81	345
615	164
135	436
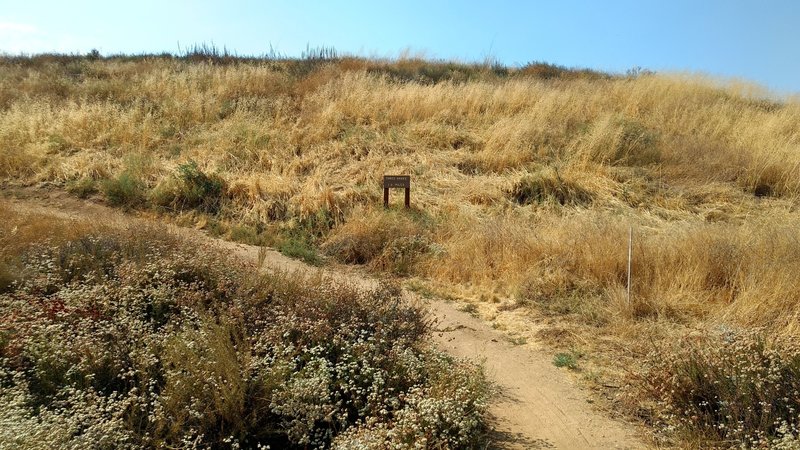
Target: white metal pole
630	254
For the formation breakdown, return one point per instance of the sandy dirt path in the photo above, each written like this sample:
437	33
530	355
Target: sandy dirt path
538	406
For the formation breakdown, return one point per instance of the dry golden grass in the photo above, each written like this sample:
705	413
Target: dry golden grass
299	143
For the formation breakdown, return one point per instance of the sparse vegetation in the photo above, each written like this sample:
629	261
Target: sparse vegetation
567	360
82	188
525	180
299	247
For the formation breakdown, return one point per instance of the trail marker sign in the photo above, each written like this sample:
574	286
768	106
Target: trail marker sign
396	181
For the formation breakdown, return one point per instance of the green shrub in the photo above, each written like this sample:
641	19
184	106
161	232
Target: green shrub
125	190
731	389
199	190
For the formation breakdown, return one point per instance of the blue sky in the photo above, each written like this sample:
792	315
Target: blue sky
752	40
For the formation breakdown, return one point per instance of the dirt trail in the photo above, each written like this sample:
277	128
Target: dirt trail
539	405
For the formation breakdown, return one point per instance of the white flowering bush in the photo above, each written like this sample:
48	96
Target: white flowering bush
728	389
117	339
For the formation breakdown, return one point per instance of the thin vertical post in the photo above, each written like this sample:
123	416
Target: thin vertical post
385	197
408	197
630	255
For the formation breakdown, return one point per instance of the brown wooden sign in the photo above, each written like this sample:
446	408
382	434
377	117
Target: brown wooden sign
396	181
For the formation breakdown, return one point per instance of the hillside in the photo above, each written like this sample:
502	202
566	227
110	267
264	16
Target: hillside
525	183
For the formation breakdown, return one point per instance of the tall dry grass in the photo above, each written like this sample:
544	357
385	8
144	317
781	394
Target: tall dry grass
527	174
738	274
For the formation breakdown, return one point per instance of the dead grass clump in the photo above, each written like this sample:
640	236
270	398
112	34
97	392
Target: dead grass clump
558	293
390	240
482	251
619	141
549	186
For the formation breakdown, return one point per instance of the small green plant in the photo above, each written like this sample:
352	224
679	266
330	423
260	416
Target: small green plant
568	360
470	308
82	187
189	188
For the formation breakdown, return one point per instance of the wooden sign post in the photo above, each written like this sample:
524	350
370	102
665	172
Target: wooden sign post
396	181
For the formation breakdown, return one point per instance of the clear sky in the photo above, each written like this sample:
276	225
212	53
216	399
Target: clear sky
756	40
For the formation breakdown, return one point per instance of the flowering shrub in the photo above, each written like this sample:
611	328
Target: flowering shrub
116	340
733	389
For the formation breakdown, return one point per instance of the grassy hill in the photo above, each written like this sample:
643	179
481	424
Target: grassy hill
525	182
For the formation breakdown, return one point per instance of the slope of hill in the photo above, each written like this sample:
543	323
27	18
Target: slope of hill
525	184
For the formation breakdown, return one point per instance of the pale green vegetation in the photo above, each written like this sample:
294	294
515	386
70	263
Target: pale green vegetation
135	338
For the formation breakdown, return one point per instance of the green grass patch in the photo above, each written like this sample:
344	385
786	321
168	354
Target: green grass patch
300	248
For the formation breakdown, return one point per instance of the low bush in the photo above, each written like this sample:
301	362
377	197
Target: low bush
567	360
126	190
189	188
135	338
730	389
